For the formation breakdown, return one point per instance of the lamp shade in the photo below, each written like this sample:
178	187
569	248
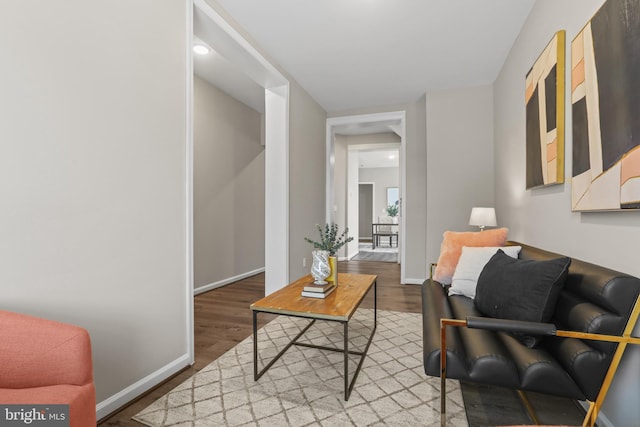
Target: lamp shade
483	217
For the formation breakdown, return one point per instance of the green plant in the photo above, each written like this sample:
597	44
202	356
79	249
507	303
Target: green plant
329	238
392	210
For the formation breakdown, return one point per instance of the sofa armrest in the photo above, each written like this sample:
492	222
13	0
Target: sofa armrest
506	325
435	306
37	352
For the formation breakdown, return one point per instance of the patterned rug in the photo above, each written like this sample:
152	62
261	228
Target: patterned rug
306	386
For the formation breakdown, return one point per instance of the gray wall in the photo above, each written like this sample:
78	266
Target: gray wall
415	203
92	158
383	178
307	124
459	160
543	217
228	188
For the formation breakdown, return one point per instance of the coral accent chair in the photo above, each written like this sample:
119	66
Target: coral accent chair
44	362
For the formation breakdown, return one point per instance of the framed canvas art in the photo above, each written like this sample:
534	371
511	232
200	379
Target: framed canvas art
544	100
605	104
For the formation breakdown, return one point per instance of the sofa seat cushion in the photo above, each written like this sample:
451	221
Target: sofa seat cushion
487	359
539	371
81	400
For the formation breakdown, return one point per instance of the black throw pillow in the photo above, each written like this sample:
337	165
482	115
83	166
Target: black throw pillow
510	288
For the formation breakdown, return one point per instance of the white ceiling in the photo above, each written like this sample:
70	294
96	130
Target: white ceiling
218	70
360	53
227	77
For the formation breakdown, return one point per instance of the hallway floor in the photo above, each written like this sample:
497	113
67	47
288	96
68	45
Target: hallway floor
380	253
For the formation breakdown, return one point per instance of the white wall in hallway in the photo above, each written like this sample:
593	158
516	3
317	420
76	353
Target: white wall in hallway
384	178
229	193
459	160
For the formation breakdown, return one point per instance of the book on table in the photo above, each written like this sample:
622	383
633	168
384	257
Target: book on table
316	294
318	288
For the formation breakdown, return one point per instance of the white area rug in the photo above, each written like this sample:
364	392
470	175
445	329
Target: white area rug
384	254
306	387
384	248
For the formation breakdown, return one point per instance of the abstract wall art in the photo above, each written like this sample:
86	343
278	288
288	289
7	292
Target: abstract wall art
605	104
544	100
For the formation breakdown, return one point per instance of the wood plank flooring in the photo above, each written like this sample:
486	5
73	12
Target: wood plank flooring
222	319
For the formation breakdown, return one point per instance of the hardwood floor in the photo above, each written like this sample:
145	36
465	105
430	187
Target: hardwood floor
222	319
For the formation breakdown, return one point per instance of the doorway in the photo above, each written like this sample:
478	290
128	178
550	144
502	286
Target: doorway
378	204
367	220
365	211
340	209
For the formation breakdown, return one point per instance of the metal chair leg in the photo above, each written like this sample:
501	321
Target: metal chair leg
443	365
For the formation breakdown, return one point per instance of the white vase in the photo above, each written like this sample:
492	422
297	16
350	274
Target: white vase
320	269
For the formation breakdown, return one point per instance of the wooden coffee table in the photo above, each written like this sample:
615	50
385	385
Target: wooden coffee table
339	306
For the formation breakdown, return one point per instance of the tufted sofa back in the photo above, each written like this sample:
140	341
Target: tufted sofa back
595	300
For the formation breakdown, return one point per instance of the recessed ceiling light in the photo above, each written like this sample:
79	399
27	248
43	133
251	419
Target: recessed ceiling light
201	49
392	156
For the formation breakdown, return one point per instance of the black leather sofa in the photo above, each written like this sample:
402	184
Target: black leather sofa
594	300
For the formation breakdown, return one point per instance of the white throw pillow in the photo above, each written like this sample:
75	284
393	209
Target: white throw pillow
472	261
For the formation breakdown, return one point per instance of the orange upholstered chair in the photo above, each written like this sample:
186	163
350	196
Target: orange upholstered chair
43	362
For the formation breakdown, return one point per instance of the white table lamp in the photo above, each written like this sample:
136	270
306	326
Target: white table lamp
483	217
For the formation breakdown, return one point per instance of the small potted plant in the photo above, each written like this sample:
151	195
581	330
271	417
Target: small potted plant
392	211
331	241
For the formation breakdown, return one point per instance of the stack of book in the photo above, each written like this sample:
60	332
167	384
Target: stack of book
318	291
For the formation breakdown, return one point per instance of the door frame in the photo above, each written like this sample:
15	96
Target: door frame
333	122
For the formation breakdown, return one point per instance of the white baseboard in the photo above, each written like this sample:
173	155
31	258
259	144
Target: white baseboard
224	282
411	281
127	395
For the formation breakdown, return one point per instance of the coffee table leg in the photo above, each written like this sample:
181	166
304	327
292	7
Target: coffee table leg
375	304
349	386
257	374
346	361
255	345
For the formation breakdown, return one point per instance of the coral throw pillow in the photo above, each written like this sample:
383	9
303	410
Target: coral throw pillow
451	248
